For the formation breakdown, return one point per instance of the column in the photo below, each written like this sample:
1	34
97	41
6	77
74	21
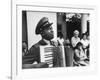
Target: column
84	23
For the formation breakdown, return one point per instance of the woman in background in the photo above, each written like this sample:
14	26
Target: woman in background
80	57
85	43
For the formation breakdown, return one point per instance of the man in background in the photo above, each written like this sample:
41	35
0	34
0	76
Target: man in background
75	39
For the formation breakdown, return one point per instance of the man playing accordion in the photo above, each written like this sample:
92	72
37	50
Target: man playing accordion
45	53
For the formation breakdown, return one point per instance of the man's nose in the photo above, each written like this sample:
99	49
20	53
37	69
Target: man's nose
51	30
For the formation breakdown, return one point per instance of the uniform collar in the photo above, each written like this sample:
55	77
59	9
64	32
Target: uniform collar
43	42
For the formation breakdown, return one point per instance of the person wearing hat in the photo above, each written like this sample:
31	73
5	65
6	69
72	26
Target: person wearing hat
32	59
75	39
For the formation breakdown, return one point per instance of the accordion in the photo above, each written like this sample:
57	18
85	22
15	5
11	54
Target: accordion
47	55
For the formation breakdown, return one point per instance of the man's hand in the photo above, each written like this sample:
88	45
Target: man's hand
39	65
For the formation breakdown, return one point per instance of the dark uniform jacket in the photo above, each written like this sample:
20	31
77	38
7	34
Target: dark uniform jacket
34	54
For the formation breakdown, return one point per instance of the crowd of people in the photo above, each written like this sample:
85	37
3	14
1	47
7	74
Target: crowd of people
81	48
79	45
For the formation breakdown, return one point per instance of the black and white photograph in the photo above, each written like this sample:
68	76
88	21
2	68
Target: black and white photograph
52	40
55	39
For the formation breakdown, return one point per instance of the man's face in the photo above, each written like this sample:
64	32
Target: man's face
80	47
48	33
76	35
